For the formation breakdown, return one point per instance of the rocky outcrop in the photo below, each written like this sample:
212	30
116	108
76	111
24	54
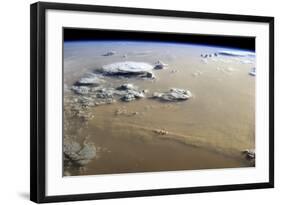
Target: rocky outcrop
90	80
174	94
131	95
81	90
93	96
130	92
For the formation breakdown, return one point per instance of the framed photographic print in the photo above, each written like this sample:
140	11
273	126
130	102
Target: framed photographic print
129	102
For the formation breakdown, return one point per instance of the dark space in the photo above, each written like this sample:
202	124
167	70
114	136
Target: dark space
239	42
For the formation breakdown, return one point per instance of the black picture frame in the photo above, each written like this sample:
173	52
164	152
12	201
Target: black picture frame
38	101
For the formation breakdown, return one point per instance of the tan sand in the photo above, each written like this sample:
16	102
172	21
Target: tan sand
208	131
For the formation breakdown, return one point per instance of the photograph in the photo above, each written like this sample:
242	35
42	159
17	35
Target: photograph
134	102
141	101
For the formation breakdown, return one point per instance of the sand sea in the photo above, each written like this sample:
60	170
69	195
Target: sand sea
153	106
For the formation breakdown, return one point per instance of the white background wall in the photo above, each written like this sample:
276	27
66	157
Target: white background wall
14	100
